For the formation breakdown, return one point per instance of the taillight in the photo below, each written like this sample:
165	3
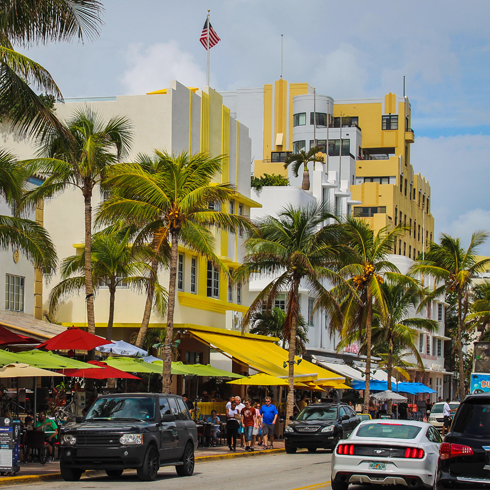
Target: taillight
345	449
448	450
414	453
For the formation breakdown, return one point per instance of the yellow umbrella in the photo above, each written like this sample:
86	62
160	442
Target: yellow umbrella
19	370
260	379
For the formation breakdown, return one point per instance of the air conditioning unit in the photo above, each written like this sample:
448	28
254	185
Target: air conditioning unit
234	320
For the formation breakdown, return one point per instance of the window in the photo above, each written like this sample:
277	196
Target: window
212	281
379	180
418	236
322	144
321	119
280	302
439	347
421	343
183	410
434	346
415	229
215	206
299	119
230	288
420	197
121	283
405	220
180	273
389	122
414	194
279	156
410	231
14	293
299	145
401	214
368	212
105	194
164	406
311	305
427	344
406	184
440	312
338	206
194	275
396	215
334	147
347	121
405	248
399	247
410	251
428	206
239	293
193	357
240	212
394	247
232	207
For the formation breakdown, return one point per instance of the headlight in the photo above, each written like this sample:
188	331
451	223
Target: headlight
288	429
128	439
328	428
68	440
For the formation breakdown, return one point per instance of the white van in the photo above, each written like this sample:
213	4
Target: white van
436	418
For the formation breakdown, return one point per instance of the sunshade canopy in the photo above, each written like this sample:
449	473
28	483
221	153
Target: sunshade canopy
49	360
260	379
24	371
414	388
389	395
132	365
373	386
99	370
8	337
73	338
121	348
7	357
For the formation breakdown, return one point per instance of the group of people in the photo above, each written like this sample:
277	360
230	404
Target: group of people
250	421
50	429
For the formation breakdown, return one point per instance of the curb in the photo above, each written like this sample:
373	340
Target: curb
14	480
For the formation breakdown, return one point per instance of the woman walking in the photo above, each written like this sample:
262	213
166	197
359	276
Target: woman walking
232	425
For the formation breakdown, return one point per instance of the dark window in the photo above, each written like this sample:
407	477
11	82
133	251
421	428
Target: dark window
347	122
317	413
180	273
14	293
212	281
322	144
388	430
279	156
173	406
396	215
368	211
334	147
299	119
410	231
321	119
406	184
299	145
379	180
193	357
194	275
433	435
183	410
389	122
410	251
401	183
404	248
473	418
164	406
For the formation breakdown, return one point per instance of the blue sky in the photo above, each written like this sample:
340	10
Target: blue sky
345	49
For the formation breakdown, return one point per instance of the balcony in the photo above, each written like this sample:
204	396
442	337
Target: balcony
409	135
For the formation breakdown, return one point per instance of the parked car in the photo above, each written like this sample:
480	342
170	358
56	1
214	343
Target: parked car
142	431
320	425
382	452
464	460
436	418
364	416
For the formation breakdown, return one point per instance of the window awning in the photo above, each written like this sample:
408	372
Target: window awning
266	356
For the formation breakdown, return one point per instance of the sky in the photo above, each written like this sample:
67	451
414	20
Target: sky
353	49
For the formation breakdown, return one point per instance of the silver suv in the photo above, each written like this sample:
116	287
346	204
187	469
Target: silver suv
436	418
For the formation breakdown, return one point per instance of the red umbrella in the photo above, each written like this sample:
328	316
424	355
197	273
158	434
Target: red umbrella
8	337
73	338
105	373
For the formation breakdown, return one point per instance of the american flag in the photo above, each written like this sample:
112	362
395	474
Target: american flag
213	37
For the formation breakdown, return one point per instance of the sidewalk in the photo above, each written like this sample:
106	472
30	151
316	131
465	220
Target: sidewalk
32	472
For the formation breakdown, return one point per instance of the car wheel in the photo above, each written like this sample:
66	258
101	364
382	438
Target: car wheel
149	470
70	474
290	449
339	485
114	473
187	468
312	449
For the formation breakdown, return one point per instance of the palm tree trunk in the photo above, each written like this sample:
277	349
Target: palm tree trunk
112	302
167	348
89	288
459	346
149	303
390	370
305	185
369	322
292	351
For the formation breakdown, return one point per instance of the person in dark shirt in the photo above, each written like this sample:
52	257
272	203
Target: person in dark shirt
188	403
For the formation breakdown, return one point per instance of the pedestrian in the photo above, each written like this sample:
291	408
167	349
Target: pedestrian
240	406
269	415
446	413
303	403
372	409
188	404
232	425
232	399
257	431
248	421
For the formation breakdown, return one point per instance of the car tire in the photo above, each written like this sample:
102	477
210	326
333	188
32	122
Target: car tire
290	449
339	485
312	449
188	461
70	474
114	473
151	464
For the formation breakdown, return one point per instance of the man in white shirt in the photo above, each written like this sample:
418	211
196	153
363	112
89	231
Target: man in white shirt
232	400
446	413
240	406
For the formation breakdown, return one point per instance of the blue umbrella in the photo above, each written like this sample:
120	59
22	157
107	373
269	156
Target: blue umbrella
122	348
374	385
414	388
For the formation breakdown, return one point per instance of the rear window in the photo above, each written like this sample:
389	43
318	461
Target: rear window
317	413
388	431
473	418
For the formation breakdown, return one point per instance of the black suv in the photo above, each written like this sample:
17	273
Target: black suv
320	425
464	456
142	431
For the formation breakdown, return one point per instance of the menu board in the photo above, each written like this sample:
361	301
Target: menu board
9	444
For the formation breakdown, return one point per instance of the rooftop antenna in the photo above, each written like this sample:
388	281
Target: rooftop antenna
282	53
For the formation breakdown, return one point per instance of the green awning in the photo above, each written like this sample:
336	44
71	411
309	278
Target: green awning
178	368
205	370
50	360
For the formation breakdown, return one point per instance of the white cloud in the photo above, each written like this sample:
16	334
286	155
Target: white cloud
153	67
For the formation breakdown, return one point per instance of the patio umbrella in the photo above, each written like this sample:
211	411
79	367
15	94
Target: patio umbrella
151	359
260	379
121	348
132	365
73	338
389	395
8	337
208	370
99	370
7	357
19	370
374	385
49	360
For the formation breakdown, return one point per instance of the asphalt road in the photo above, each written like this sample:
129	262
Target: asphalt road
300	471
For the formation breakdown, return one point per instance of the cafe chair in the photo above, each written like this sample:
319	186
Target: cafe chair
35	441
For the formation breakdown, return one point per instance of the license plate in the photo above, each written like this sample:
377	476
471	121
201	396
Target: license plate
377	466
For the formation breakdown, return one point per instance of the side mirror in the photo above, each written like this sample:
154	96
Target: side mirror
292	417
345	417
79	420
167	418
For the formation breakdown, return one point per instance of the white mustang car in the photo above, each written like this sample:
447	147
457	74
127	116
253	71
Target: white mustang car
387	452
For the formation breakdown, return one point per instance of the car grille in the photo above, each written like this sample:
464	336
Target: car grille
380	451
98	439
440	419
307	428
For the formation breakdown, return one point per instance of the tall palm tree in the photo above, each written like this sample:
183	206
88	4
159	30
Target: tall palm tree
82	165
294	248
170	203
365	270
28	23
480	309
113	265
453	266
303	158
15	231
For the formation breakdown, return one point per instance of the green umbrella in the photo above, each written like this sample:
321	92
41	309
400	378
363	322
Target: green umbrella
50	360
177	368
131	365
208	370
7	357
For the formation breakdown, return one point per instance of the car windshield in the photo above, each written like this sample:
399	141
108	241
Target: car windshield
388	431
122	409
473	418
439	407
317	413
364	416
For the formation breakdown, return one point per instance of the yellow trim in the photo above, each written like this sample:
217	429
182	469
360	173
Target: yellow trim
225	143
247	201
205	111
163	91
190	122
229	262
225	332
209	304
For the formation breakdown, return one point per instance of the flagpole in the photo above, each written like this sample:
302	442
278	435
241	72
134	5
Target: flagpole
207	49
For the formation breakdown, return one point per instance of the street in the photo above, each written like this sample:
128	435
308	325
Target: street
300	471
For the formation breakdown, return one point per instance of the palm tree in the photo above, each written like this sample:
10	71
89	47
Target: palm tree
295	248
113	265
303	158
480	309
28	23
449	263
365	269
170	203
83	165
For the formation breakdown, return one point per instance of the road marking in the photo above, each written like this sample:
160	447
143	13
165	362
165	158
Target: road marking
314	486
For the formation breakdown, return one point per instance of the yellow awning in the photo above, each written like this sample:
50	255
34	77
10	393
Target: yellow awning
265	356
